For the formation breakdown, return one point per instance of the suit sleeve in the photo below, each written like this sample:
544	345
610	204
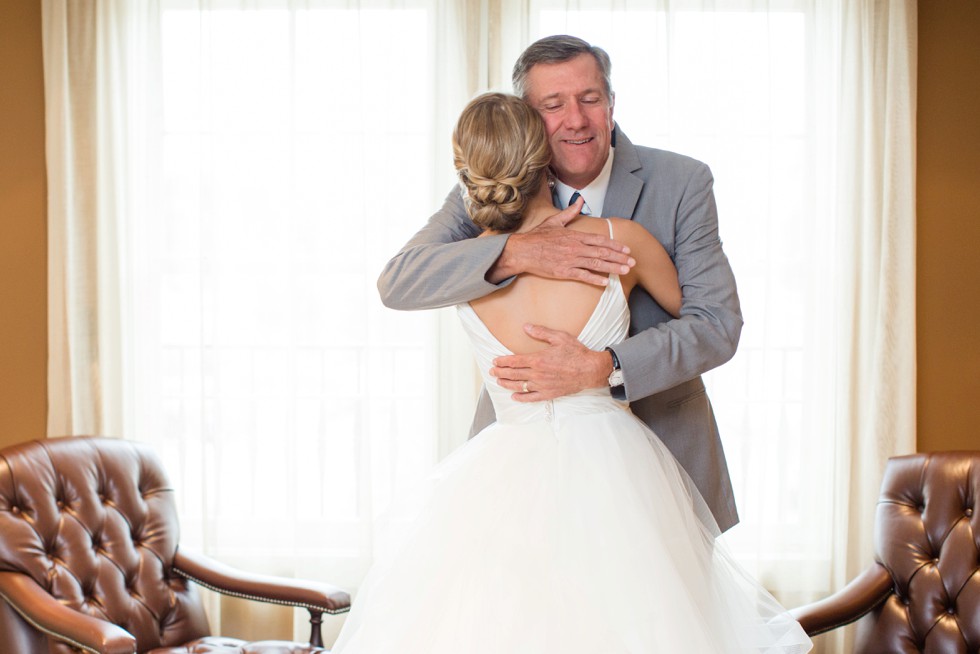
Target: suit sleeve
706	333
443	264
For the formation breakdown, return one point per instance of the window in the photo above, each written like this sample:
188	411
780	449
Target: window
212	292
292	155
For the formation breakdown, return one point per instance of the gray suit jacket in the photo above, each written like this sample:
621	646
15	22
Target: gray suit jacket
662	360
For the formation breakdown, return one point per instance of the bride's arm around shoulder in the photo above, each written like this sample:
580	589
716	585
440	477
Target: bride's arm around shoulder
654	270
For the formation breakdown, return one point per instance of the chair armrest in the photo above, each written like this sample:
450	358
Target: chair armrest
853	601
48	615
277	590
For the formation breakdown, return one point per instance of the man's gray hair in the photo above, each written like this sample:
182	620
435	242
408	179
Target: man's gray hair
555	50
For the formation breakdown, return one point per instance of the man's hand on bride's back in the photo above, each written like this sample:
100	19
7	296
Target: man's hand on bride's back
552	250
565	367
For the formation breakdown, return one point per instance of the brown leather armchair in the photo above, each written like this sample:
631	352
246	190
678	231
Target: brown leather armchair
922	593
89	559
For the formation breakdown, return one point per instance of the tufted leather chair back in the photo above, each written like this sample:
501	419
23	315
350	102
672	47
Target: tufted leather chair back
927	535
93	522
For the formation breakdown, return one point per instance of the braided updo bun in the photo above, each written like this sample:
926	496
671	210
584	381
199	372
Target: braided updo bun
501	153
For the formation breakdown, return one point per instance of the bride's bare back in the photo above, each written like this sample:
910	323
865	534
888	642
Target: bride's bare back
567	305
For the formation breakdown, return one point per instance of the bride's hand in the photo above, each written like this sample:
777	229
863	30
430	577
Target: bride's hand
563	368
551	250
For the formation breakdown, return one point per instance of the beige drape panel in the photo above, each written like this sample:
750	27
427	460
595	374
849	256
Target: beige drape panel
876	255
83	226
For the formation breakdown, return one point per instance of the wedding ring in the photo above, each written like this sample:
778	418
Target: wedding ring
524	387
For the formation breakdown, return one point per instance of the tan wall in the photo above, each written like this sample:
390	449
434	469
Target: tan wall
23	249
948	229
949	225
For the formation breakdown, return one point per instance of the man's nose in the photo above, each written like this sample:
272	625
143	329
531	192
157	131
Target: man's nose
575	118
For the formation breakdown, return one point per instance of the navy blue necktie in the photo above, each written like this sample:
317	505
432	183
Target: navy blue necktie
575	196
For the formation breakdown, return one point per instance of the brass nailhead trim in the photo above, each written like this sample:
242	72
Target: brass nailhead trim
256	598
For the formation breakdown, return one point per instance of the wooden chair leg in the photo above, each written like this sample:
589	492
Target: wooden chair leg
316	636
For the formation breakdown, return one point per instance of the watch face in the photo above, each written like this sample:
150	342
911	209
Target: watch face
616	378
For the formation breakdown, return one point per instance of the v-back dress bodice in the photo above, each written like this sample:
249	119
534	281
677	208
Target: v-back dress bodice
608	325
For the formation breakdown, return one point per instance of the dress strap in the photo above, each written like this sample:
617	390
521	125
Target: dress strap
609	222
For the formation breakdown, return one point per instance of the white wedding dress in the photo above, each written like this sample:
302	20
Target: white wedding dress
566	527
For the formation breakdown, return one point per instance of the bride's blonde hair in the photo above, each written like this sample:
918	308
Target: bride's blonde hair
501	153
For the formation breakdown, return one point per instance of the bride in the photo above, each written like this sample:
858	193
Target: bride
566	526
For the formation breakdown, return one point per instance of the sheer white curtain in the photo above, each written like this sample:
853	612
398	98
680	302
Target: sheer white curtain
227	177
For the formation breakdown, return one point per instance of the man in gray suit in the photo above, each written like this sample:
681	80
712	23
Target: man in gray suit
599	171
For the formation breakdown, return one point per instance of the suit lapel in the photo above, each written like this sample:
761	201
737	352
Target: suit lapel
624	187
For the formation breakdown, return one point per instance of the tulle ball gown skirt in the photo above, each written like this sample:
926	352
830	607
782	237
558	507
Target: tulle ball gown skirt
572	531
